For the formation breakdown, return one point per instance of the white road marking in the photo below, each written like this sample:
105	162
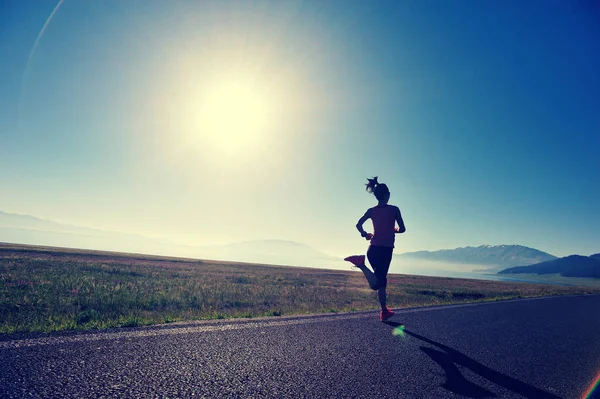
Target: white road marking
225	325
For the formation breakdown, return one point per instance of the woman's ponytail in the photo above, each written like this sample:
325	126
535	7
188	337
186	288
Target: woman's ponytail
379	190
371	184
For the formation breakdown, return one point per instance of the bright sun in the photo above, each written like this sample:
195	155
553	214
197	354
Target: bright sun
224	110
233	116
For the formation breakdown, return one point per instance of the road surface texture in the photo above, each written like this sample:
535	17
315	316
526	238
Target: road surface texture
533	348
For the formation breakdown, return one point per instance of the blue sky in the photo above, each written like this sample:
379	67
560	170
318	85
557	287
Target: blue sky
482	117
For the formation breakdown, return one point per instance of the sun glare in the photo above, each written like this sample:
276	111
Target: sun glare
228	104
232	115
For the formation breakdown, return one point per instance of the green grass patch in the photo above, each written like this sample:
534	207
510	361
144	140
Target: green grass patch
56	290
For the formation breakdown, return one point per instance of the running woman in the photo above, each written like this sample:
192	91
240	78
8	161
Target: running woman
384	217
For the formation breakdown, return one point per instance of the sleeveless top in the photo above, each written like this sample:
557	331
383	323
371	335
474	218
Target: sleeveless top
384	219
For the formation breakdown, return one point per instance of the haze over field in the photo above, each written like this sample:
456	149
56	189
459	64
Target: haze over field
468	262
250	127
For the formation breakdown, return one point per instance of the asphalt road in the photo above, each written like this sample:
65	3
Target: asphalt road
539	348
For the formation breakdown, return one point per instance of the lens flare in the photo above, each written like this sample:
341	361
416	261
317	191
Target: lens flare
593	388
32	52
39	36
399	332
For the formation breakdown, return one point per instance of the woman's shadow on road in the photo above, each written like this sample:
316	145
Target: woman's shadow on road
449	358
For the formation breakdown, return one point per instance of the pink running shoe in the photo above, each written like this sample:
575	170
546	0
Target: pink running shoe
386	314
356	260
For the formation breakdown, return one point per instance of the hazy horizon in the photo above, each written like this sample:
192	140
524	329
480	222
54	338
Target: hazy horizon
167	240
225	121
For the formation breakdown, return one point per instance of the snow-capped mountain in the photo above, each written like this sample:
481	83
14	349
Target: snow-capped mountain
495	256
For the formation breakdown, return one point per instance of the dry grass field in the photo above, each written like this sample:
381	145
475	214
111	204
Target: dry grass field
51	289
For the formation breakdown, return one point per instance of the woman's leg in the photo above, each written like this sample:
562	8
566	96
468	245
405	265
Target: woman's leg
381	295
359	262
380	258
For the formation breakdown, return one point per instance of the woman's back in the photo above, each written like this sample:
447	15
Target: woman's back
384	219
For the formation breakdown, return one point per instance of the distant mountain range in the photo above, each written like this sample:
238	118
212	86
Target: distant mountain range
497	257
508	259
26	229
569	266
271	251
